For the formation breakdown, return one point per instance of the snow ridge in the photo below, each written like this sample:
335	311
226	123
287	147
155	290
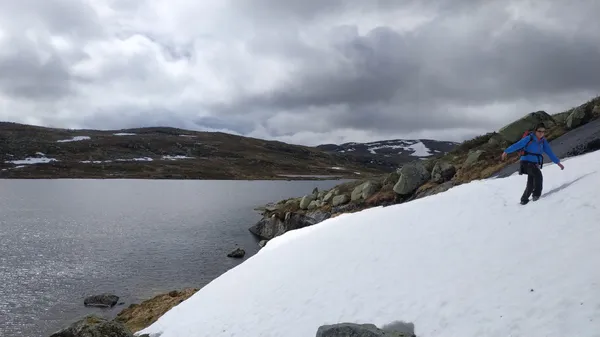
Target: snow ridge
481	264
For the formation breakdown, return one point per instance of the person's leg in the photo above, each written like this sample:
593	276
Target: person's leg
530	181
538	181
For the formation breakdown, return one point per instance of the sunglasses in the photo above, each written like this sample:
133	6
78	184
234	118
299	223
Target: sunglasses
540	131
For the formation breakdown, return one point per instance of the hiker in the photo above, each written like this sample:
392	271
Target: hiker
531	148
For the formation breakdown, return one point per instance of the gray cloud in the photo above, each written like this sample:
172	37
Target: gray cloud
299	71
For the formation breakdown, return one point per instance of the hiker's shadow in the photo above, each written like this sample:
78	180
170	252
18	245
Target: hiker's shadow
565	185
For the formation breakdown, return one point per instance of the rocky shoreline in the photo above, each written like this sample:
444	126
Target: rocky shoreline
478	158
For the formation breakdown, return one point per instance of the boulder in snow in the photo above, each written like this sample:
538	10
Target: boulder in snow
514	131
268	228
442	171
361	330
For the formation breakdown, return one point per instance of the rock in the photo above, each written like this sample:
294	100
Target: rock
391	179
321	195
315	192
293	202
472	158
306	200
578	117
173	293
319	216
369	189
340	200
356	193
102	300
514	131
596	111
313	204
329	196
358	330
561	118
412	175
268	228
435	189
262	243
238	253
93	326
442	171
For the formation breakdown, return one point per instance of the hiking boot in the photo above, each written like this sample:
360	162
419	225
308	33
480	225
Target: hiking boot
524	202
535	198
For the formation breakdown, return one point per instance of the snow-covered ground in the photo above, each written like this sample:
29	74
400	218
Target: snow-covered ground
74	139
468	262
124	134
42	159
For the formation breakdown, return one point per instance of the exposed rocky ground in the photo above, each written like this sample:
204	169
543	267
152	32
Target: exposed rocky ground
391	153
36	152
571	132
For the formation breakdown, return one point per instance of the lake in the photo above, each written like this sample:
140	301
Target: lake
63	240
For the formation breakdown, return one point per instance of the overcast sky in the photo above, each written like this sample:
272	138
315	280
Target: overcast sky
300	71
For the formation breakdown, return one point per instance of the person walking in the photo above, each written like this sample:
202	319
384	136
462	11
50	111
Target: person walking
531	148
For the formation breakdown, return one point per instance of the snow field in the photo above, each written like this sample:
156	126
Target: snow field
471	261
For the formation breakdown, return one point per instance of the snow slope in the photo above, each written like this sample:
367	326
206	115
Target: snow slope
479	265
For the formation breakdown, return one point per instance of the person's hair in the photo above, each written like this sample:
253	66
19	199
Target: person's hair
540	125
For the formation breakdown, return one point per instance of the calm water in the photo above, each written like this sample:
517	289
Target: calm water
62	240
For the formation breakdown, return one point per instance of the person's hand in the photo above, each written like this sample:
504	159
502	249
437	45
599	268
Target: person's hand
504	154
561	166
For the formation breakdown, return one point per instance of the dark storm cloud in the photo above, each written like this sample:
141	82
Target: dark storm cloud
402	81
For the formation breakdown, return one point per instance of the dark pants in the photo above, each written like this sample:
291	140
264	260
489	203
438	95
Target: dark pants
534	179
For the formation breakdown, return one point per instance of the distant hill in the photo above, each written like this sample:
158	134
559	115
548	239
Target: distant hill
391	153
165	153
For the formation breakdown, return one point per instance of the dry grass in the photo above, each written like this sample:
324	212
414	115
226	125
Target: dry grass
140	316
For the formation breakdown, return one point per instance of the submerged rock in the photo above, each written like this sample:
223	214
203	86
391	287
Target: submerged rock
102	300
238	253
93	326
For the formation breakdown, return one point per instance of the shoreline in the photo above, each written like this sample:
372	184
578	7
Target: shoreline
475	159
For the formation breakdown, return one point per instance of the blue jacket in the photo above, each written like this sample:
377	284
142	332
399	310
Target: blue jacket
537	146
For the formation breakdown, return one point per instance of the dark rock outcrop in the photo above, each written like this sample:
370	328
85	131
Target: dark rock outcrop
93	326
102	300
268	228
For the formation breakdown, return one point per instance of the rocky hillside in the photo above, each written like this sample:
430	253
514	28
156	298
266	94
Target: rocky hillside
572	132
390	154
37	152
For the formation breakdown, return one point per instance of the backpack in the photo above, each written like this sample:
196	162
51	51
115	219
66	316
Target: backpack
527	133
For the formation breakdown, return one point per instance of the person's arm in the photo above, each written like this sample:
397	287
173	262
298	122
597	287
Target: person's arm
548	151
517	146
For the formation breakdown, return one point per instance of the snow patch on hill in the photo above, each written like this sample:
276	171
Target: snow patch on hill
74	139
471	261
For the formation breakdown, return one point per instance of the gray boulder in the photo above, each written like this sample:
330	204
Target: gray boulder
93	326
340	200
435	190
369	189
578	117
329	196
102	300
391	178
306	200
473	157
313	204
596	111
361	330
514	131
442	171
412	175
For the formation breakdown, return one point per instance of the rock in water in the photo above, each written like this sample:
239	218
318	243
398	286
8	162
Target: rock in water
238	253
357	330
93	326
102	300
412	175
